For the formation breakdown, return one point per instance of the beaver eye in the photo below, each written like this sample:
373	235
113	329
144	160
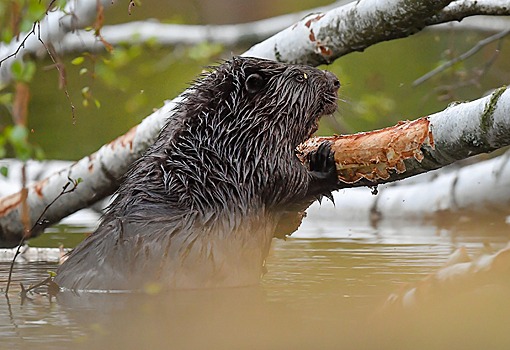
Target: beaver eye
254	83
301	77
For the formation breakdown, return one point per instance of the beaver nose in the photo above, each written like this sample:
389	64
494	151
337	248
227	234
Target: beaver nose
333	80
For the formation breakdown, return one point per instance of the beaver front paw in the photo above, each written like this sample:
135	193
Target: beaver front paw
324	178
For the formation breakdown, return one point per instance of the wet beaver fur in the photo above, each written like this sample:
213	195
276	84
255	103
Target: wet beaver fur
201	207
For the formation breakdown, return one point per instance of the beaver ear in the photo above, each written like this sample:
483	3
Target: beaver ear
254	83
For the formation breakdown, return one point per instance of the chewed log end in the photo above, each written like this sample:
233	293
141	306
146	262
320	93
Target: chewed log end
375	155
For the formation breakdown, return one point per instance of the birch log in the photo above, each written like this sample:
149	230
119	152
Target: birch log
415	147
252	32
482	188
182	34
315	39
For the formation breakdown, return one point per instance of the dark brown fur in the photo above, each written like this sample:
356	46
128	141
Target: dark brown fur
200	208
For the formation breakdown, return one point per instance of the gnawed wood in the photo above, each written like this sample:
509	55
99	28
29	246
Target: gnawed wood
374	155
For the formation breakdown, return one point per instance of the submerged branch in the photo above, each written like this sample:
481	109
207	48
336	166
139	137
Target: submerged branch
461	274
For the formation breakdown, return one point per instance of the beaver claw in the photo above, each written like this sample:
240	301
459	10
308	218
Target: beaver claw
323	172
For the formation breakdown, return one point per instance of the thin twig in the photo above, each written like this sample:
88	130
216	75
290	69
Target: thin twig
60	73
462	57
64	191
24	291
32	32
21	45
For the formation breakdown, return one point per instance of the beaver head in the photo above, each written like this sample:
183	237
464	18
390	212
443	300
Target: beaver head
236	132
231	143
255	97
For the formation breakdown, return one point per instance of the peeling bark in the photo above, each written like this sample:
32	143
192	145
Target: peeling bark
322	38
375	155
414	147
316	39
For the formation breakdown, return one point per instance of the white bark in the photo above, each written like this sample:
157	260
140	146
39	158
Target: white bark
174	34
234	34
460	9
32	254
479	24
338	31
459	132
100	173
482	188
321	38
53	27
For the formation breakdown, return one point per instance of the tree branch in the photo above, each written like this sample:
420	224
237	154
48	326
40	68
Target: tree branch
464	56
460	9
100	172
175	34
322	38
52	28
313	40
243	33
411	148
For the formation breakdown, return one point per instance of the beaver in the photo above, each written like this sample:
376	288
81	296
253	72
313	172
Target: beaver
201	207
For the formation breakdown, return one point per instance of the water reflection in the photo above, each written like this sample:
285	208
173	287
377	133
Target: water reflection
319	293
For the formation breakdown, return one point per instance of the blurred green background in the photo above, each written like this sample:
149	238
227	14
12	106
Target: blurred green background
120	88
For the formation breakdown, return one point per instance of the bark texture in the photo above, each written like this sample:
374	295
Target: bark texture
316	39
414	147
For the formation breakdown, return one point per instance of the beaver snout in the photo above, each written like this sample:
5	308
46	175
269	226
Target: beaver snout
331	93
333	80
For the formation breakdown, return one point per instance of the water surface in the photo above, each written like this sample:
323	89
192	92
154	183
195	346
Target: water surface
323	290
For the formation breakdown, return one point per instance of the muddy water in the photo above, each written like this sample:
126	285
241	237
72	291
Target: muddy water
323	290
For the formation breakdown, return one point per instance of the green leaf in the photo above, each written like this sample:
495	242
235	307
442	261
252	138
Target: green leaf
18	134
6	99
18	137
4	171
28	71
23	71
36	10
78	60
17	70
